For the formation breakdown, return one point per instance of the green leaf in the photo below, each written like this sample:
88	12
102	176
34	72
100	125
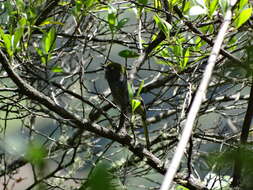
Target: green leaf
101	178
242	3
186	58
63	3
178	49
243	17
20	5
57	69
128	54
213	6
157	4
35	154
187	6
89	3
41	54
130	90
140	88
22	22
122	22
18	33
135	104
143	2
7	42
16	38
112	19
180	187
47	22
48	41
163	25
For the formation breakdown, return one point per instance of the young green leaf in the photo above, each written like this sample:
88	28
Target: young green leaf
47	22
130	90
128	54
135	104
163	25
180	187
140	88
7	41
48	41
20	5
243	17
213	7
122	22
186	58
112	18
242	3
57	69
41	54
15	39
157	4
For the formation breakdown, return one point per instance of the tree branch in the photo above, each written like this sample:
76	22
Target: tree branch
200	94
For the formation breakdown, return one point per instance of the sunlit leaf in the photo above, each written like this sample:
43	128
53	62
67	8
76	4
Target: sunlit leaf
47	22
135	104
242	3
16	38
213	7
180	187
57	69
112	19
48	40
157	4
7	41
187	6
163	25
243	17
186	57
63	3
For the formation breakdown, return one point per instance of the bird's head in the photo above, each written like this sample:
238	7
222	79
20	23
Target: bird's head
115	69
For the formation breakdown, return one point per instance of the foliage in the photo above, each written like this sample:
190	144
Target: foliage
101	178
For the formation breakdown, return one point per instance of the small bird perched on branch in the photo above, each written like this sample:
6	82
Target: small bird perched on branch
116	76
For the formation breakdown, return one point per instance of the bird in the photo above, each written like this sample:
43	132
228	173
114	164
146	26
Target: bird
116	76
